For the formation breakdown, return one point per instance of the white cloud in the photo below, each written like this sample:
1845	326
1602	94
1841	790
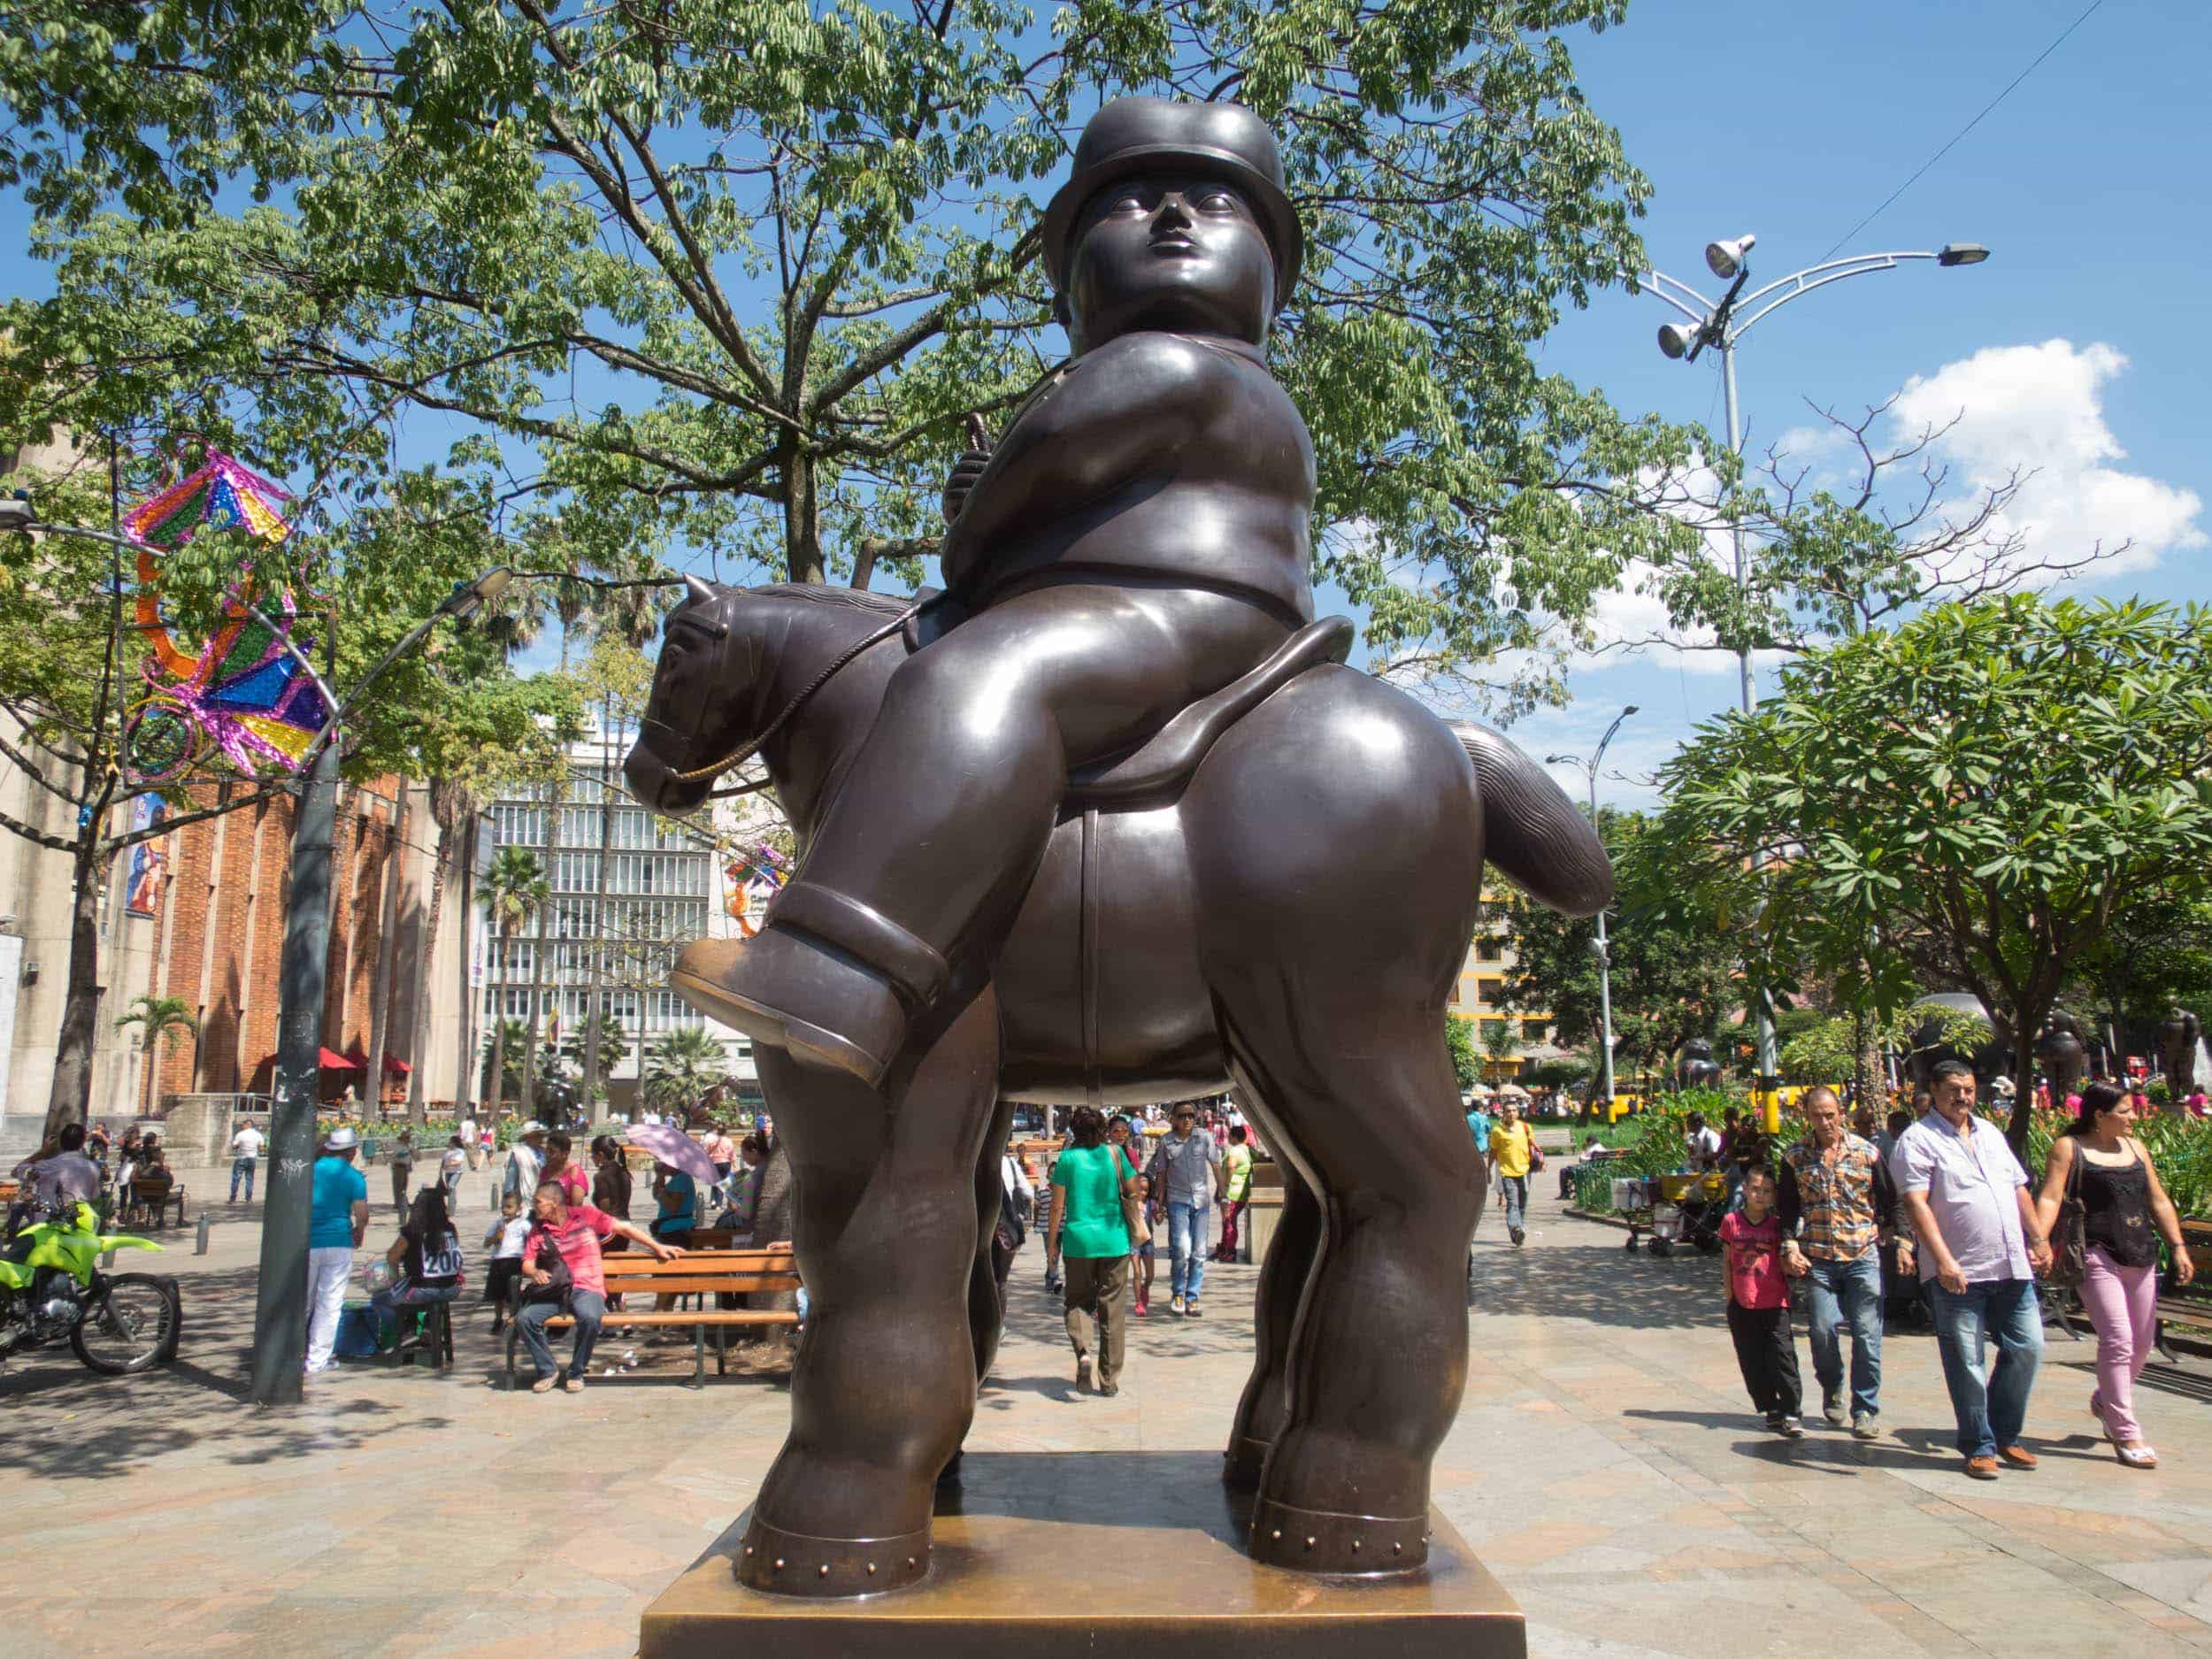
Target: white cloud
2040	409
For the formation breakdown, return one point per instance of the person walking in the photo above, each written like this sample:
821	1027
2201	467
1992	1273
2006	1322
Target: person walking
2126	1212
572	1234
1513	1154
1480	1125
1837	1204
1236	1190
338	1220
1981	1244
452	1164
403	1168
1758	1304
1185	1169
1094	1192
245	1156
469	1141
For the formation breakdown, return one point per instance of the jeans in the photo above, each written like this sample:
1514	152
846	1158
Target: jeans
327	1271
242	1169
2122	1304
1852	1291
1991	1405
589	1308
1515	1190
1186	1248
1766	1353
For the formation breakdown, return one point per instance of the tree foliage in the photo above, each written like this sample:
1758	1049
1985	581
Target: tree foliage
1966	802
1673	968
734	276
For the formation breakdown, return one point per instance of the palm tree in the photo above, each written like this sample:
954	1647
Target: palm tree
515	890
684	1066
162	1017
501	1056
614	1048
1501	1044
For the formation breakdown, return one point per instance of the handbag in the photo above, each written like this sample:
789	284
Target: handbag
2069	1239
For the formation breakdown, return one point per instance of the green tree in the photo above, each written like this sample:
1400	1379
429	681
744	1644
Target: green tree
1501	1044
1466	1063
501	1061
1828	1050
683	1065
166	1019
1967	801
1673	968
613	1050
514	889
738	274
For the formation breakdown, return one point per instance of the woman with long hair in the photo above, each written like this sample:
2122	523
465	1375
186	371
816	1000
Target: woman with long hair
426	1255
612	1184
2126	1212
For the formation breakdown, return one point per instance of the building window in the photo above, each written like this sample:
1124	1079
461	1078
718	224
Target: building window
1535	1029
1489	993
1490	948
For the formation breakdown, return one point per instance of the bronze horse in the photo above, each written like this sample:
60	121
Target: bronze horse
1277	892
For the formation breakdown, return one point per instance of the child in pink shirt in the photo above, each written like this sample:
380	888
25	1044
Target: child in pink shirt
1758	1304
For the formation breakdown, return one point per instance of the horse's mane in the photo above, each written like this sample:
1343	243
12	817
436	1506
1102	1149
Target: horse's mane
822	594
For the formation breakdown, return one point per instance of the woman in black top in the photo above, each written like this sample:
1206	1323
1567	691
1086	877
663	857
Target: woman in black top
428	1254
2125	1213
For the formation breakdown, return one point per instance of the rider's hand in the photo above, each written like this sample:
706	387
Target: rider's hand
967	469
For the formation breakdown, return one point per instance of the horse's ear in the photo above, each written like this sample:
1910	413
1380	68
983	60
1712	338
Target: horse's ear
700	591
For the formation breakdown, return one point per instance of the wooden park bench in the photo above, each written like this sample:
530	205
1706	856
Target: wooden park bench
2188	1307
706	1274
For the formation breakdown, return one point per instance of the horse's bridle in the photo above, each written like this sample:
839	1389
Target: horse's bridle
745	751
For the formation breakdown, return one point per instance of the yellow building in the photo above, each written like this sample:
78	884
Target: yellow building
1481	989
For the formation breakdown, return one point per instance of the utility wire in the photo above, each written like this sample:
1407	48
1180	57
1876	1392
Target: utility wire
1964	130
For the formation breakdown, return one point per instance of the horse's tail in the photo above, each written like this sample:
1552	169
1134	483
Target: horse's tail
1532	831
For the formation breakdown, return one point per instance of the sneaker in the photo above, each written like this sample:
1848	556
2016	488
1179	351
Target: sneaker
1982	1468
1831	1408
2017	1457
1789	1429
1083	1374
1863	1427
1190	1308
1175	1303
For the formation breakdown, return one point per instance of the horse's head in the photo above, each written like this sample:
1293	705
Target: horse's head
706	689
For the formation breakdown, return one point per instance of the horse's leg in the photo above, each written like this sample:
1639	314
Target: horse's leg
884	1387
1367	1109
985	1315
1290	1261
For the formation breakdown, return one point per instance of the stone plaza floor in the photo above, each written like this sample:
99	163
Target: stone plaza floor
1605	1465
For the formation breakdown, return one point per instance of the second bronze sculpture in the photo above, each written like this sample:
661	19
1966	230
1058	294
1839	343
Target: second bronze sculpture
1110	821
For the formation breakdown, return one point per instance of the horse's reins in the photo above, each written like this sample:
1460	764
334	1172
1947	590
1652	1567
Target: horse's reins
744	752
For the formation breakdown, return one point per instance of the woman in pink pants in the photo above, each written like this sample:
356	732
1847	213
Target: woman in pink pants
2126	1212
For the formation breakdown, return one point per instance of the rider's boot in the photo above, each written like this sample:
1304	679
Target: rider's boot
829	979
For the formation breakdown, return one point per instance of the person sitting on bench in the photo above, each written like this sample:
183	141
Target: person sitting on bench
570	1234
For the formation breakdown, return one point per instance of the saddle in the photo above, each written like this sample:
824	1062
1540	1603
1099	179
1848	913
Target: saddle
1163	763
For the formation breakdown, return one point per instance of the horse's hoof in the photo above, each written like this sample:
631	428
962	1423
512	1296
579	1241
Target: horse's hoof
1241	1463
793	1563
1309	1540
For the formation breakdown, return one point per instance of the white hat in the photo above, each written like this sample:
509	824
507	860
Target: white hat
342	1139
534	1127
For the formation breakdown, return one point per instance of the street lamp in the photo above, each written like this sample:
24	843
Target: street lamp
1720	323
1598	947
280	1306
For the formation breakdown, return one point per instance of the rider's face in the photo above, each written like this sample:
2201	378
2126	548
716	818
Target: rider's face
1170	251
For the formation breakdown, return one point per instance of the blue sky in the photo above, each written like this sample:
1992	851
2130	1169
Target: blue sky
2080	348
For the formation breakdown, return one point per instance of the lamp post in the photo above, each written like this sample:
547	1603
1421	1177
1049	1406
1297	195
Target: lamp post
1598	946
1721	324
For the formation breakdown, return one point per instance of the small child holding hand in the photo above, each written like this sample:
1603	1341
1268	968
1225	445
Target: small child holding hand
1758	1304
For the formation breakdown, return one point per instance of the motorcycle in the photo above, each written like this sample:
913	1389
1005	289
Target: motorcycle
51	1288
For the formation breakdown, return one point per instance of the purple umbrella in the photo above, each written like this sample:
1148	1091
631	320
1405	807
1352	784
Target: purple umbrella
672	1146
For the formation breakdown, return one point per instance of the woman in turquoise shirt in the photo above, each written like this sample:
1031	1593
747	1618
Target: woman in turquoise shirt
1090	1234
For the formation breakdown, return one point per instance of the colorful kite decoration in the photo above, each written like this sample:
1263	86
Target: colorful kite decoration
762	871
240	694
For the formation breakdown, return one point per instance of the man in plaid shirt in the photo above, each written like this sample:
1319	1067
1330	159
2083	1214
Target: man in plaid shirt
1837	1204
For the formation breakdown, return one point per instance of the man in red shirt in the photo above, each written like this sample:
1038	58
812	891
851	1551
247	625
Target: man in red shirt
572	1233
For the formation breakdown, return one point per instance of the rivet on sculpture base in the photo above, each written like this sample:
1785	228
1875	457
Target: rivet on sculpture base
1032	1556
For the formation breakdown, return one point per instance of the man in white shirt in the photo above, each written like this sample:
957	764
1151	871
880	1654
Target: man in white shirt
470	1140
245	1153
1704	1141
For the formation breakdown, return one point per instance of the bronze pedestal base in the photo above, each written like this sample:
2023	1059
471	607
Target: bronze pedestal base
1032	1554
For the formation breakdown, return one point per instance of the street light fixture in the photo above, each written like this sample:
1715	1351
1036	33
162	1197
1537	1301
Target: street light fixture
1721	323
1598	946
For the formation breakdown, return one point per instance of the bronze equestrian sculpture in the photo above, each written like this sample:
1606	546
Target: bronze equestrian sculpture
2177	1036
1110	821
